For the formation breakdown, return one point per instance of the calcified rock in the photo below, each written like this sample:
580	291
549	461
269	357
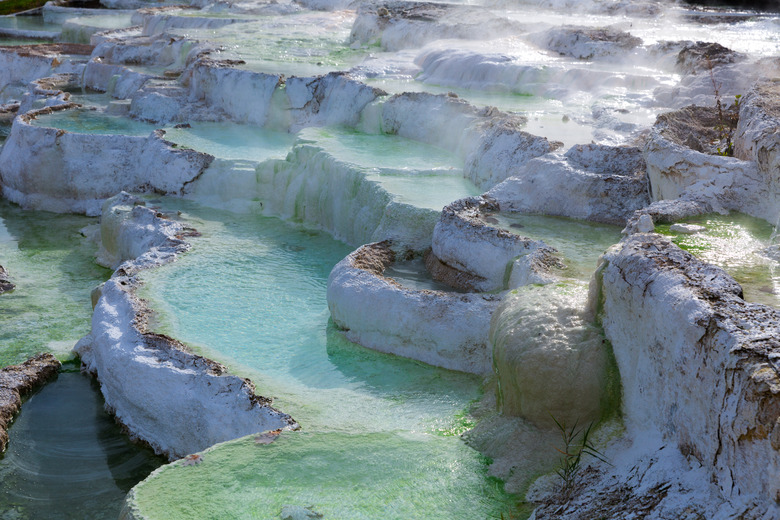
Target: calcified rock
592	182
5	281
701	57
19	380
756	137
400	24
586	43
120	352
443	329
484	258
701	392
680	163
54	170
550	359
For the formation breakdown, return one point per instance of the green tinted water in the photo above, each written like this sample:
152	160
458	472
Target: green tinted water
415	173
737	243
380	433
54	271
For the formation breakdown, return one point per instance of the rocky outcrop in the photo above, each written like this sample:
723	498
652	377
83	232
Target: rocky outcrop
479	257
5	281
17	381
120	352
592	182
448	330
587	43
681	162
701	391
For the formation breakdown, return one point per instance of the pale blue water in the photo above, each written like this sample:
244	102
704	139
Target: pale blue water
232	141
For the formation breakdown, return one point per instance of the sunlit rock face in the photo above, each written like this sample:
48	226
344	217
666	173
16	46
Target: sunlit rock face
550	358
592	182
687	155
443	329
697	366
587	43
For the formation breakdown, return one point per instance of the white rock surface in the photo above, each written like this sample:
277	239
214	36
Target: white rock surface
488	256
448	330
698	370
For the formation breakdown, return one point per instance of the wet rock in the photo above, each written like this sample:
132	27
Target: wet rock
549	358
5	281
19	380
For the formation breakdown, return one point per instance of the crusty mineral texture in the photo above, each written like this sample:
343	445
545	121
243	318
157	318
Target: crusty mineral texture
18	380
5	281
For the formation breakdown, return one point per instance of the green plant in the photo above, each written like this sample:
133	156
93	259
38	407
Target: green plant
727	119
576	444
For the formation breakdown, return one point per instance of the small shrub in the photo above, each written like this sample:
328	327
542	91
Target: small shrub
576	444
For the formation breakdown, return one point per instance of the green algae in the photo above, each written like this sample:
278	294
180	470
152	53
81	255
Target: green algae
54	270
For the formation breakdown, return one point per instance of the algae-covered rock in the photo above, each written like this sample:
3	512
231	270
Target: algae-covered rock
551	360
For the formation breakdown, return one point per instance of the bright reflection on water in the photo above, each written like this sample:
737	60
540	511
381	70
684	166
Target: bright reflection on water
379	432
740	245
54	271
67	458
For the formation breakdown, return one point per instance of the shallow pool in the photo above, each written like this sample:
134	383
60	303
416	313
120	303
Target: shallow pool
379	433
